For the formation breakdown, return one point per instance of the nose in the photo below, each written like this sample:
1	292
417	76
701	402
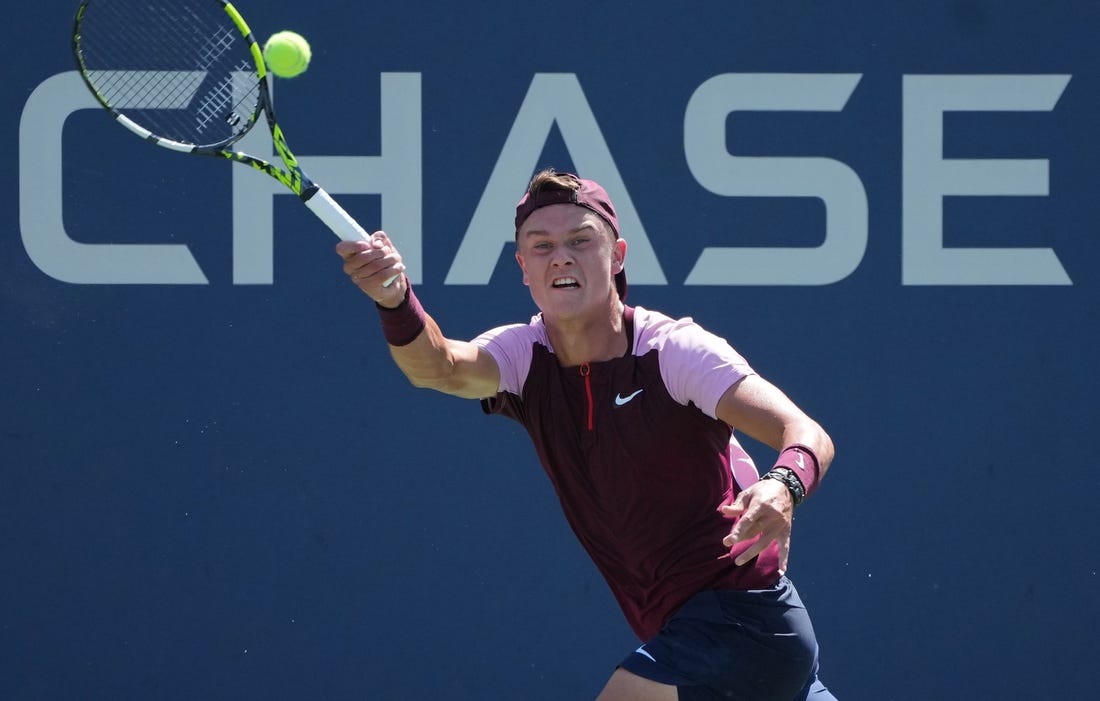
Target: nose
562	257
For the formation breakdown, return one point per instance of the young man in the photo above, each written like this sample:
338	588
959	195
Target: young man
632	416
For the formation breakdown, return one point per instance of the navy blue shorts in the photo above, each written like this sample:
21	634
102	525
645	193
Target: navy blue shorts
755	645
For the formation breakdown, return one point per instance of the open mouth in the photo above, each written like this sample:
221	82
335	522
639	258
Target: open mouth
566	283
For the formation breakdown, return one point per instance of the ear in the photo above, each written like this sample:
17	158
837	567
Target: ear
618	252
522	267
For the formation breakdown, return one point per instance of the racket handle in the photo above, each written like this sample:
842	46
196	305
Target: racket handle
339	221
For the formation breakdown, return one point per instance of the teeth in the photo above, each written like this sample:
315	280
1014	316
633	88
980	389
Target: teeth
565	282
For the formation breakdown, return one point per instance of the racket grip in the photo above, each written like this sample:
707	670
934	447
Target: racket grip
339	221
334	216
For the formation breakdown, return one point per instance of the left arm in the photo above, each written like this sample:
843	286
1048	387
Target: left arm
762	411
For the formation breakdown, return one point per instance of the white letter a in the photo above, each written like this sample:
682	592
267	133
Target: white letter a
552	98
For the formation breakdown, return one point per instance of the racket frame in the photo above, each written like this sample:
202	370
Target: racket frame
293	177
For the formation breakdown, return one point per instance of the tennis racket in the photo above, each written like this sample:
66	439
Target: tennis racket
188	75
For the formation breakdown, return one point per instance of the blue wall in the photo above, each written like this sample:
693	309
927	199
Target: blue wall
214	484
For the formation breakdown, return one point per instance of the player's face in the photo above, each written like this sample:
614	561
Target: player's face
569	258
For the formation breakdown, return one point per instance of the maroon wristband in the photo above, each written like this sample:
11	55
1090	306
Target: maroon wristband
803	463
403	323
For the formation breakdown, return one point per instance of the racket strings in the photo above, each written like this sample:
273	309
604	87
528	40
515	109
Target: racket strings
181	70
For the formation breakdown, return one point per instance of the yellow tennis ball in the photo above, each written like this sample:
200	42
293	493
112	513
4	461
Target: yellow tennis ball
287	54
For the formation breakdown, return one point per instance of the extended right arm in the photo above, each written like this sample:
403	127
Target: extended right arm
421	351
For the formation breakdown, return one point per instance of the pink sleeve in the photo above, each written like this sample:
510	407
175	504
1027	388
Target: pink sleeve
698	366
510	347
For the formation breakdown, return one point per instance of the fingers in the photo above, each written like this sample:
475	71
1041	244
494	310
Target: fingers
761	532
347	249
378	244
747	527
784	552
782	540
762	515
738	506
373	265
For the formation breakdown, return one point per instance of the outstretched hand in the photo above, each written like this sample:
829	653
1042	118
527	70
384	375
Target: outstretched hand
763	509
371	264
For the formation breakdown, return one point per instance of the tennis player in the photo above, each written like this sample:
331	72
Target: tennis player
632	414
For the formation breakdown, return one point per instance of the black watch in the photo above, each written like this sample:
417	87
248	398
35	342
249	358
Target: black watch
790	480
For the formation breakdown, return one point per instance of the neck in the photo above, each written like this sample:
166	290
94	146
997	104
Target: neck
588	339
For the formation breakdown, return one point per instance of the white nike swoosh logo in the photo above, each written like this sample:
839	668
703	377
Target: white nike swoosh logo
643	651
801	461
620	399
